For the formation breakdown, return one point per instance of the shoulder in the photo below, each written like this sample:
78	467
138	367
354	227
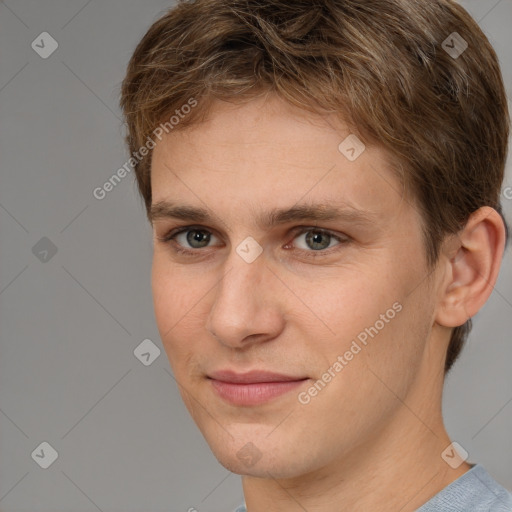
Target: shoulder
474	491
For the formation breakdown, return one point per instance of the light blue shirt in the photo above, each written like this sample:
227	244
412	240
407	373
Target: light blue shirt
474	491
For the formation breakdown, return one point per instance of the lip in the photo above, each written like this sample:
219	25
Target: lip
254	387
252	377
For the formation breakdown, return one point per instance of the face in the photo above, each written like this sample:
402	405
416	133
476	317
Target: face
274	252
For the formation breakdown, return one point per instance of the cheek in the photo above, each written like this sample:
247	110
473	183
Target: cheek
175	293
380	355
173	303
371	313
348	303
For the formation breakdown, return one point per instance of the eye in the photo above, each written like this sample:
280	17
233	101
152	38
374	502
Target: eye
316	240
189	239
196	238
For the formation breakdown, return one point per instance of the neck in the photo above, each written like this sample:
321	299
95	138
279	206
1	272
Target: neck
398	468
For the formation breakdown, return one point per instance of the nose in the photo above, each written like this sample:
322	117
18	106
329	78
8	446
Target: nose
246	307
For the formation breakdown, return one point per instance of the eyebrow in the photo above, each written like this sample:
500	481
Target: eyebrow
277	216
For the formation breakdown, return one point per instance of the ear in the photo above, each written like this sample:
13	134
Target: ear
472	258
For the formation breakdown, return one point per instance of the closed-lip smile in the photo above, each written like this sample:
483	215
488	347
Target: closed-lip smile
253	387
251	377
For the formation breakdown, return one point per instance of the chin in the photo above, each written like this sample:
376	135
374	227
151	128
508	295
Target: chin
261	469
260	457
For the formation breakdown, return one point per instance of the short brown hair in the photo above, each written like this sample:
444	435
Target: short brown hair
379	64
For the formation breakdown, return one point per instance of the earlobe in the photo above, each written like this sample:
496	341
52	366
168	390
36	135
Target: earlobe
472	260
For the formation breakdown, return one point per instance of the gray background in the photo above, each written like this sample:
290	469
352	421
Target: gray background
69	325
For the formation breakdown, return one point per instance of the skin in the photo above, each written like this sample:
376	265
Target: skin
372	438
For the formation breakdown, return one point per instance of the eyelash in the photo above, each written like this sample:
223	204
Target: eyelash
170	237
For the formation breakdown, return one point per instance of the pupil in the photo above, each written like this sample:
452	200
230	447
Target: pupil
315	240
198	238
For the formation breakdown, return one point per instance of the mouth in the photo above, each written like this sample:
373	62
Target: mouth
252	388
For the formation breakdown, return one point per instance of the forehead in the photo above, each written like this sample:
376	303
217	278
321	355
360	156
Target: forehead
269	153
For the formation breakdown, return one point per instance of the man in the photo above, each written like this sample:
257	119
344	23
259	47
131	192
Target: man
323	181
